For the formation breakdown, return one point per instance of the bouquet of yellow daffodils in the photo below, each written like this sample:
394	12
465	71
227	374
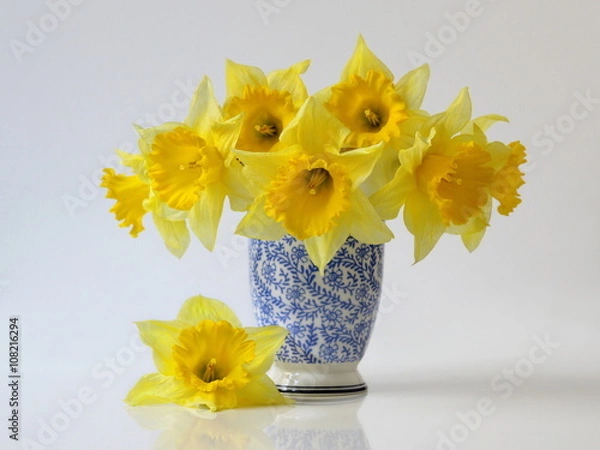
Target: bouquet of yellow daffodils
320	168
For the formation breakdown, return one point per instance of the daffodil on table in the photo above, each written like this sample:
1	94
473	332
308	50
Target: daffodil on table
206	358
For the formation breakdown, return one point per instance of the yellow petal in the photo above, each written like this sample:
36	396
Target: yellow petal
289	80
224	135
206	214
147	135
155	205
363	60
156	389
237	76
412	86
130	193
412	158
314	128
204	110
268	340
174	233
484	122
260	168
321	249
261	391
257	225
161	336
389	199
137	163
509	179
199	308
453	119
360	162
238	192
365	224
423	221
472	236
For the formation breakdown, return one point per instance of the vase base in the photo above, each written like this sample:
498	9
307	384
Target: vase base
318	381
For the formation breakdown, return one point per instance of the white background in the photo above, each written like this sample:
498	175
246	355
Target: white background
451	323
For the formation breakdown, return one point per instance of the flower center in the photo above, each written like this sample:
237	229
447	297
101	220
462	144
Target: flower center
198	349
317	179
369	107
267	130
266	113
209	373
459	184
372	118
181	165
308	195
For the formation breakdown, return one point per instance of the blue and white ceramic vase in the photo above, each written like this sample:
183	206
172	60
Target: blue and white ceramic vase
329	317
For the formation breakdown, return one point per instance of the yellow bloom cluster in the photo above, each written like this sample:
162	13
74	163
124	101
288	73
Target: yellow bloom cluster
322	167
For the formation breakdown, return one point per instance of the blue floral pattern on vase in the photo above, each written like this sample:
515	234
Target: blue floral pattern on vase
329	317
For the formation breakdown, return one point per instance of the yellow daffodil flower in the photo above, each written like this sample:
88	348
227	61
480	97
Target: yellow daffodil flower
310	189
205	358
375	109
446	181
268	102
186	170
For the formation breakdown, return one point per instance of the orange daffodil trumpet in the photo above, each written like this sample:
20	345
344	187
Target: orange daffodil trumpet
447	180
309	188
319	168
206	358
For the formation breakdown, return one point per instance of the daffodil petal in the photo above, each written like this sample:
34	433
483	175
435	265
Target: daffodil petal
365	224
224	136
484	122
363	60
204	110
423	221
237	76
175	234
206	214
261	167
156	389
412	158
239	196
268	339
412	86
389	199
161	336
321	249
454	119
130	192
314	128
359	163
199	308
261	391
136	162
500	153
154	204
147	135
257	225
289	80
